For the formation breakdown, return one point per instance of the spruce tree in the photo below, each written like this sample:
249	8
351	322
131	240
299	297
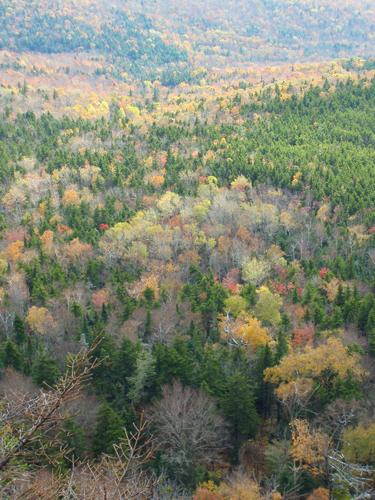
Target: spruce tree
19	330
238	406
11	355
370	331
281	345
73	437
44	370
125	365
108	430
367	303
263	392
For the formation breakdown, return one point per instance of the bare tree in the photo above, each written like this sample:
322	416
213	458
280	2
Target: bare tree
121	476
188	427
22	420
28	425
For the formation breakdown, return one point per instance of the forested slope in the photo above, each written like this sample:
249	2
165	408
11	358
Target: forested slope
222	275
167	41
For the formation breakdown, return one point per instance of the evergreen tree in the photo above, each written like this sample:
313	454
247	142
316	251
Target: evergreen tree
44	370
366	304
263	392
125	364
340	297
238	406
249	293
104	375
174	362
207	297
142	381
11	355
370	331
73	437
282	347
147	326
19	330
108	430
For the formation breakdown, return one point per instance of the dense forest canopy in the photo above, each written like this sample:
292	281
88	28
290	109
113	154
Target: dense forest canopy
187	287
143	37
307	28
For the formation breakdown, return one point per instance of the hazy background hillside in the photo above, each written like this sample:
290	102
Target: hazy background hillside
149	37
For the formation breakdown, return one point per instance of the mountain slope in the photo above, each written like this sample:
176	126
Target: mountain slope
142	36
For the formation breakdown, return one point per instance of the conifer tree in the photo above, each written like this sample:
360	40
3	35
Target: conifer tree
73	436
370	330
44	370
19	330
108	430
11	355
238	406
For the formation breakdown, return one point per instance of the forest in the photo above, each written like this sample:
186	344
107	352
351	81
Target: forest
187	252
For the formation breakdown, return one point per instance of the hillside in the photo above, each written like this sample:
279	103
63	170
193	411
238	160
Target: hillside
53	27
187	250
143	37
270	30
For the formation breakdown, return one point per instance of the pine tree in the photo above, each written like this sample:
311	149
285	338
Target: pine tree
295	296
73	437
108	430
264	390
238	406
104	375
44	370
19	330
336	318
318	314
340	297
249	293
212	374
147	327
367	303
11	355
282	347
370	331
125	364
142	381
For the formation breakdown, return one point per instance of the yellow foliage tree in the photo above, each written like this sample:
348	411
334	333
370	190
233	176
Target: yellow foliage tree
319	494
240	487
253	334
309	448
3	266
235	304
297	371
246	329
241	183
359	444
169	203
47	241
255	270
70	197
14	251
39	319
268	306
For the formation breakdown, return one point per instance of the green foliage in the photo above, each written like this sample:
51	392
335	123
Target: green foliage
44	370
72	436
206	296
119	37
108	430
10	355
19	330
238	407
